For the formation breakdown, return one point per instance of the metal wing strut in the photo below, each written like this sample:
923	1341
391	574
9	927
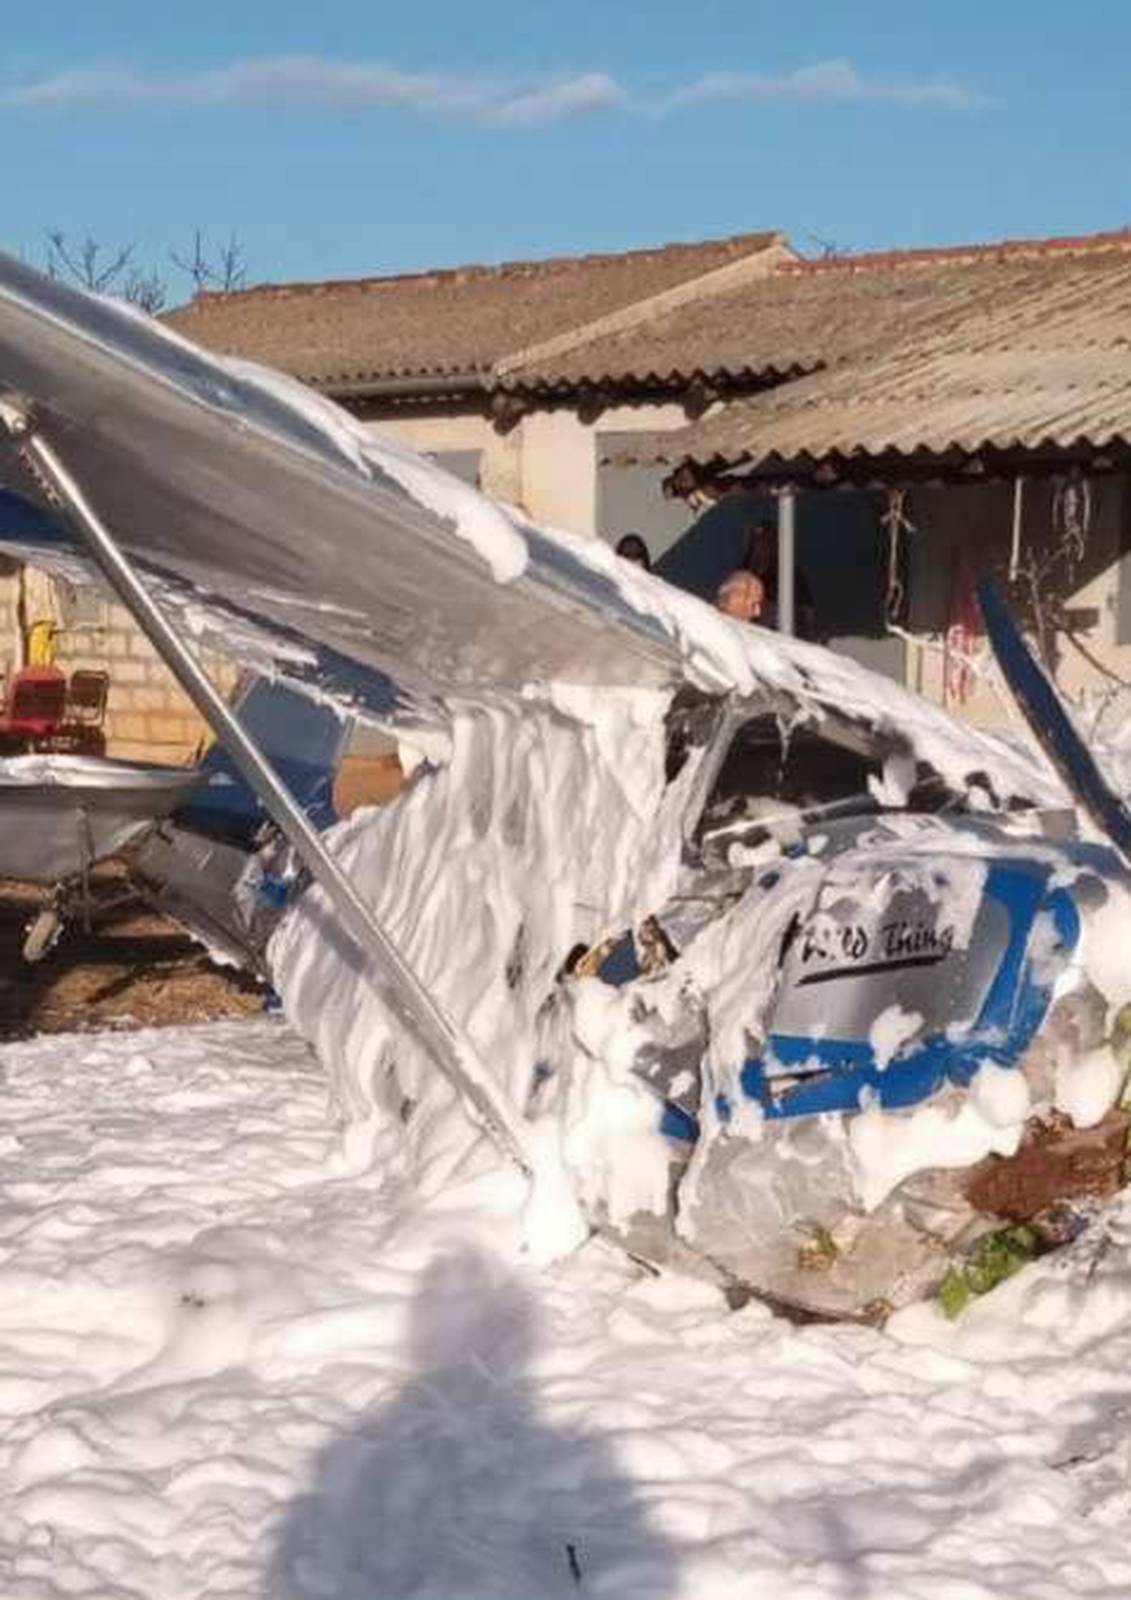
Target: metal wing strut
393	978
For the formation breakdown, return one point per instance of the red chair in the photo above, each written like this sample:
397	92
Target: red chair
84	714
36	703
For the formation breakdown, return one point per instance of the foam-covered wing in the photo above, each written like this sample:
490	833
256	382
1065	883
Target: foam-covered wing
248	491
343	559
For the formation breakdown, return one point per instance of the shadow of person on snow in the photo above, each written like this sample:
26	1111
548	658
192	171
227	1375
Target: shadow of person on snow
457	1489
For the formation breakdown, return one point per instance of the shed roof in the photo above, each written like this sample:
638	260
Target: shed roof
1018	345
463	320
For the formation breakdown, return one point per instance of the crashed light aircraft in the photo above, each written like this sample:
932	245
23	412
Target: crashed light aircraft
730	947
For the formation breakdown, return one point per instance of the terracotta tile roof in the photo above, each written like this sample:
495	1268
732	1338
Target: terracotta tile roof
464	320
1009	345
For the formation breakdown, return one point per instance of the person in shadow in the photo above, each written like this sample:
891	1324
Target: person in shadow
631	547
760	556
456	1489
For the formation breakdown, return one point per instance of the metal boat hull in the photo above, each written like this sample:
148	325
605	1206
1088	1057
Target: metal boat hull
61	814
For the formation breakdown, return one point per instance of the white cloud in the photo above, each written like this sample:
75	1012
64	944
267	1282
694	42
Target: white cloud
571	97
828	82
314	83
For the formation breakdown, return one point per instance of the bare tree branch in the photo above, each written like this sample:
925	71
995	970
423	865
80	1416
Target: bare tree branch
195	266
147	290
87	266
827	249
227	272
232	267
102	271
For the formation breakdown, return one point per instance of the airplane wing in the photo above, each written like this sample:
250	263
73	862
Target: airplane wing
334	555
244	489
238	492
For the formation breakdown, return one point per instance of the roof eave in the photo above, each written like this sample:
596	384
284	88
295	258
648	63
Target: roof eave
404	386
478	384
927	464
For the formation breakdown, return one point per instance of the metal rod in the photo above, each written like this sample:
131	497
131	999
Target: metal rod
787	548
392	978
86	860
1015	540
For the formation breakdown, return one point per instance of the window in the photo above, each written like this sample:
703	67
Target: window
81	605
803	766
631	499
771	770
462	464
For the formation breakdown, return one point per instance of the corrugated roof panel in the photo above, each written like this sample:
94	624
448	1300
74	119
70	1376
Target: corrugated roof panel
1023	353
459	320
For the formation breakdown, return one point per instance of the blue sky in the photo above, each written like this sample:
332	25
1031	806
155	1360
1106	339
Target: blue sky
353	136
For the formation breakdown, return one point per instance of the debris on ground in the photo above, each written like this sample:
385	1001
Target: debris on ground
133	969
1056	1161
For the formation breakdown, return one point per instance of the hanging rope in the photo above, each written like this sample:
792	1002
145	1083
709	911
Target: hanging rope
1072	514
897	523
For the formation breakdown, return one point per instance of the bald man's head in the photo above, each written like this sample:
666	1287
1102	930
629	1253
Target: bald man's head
742	595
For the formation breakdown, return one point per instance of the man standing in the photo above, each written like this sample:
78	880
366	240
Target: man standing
760	556
742	595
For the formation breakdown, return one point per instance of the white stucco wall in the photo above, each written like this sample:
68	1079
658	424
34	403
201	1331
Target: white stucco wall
500	454
547	464
559	470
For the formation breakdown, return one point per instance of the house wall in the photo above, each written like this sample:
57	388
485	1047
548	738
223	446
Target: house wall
500	455
631	499
9	627
978	520
148	715
957	535
548	463
559	471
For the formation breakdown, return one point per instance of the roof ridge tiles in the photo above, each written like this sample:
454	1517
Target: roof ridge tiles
445	277
928	255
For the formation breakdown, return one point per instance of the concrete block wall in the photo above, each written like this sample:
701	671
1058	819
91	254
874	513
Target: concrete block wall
9	599
149	718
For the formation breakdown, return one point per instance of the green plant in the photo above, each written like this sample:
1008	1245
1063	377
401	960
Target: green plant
995	1257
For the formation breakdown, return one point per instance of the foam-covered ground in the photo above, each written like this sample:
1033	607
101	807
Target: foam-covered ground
229	1366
